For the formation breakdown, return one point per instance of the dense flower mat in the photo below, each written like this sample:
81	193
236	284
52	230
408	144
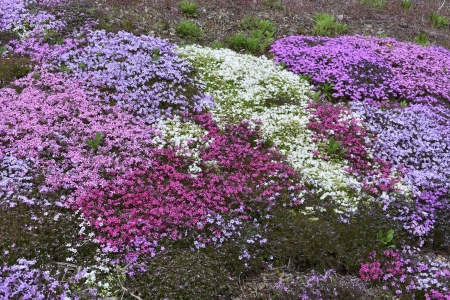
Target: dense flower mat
118	146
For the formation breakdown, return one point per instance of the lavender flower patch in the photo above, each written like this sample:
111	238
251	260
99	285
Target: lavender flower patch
22	281
369	68
15	180
15	15
356	73
140	74
421	73
417	138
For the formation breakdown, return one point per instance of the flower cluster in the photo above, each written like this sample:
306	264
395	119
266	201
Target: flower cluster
164	199
355	72
391	266
22	281
407	272
15	180
328	285
53	117
141	74
415	138
337	122
253	88
15	15
366	68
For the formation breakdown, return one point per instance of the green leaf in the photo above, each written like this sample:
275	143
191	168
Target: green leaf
389	235
403	103
380	235
331	142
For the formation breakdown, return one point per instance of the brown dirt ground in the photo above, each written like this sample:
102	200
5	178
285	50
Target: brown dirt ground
220	19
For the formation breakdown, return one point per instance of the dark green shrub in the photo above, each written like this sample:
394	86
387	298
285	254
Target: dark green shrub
188	8
323	241
237	41
217	45
189	30
259	39
421	39
438	21
326	25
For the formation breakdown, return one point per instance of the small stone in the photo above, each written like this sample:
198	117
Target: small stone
340	17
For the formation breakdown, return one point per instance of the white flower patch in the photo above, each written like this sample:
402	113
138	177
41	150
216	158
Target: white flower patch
244	86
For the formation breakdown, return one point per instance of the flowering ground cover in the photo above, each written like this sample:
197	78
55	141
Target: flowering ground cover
133	168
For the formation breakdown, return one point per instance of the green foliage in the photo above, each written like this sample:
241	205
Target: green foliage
326	25
189	30
406	4
265	26
63	68
375	3
306	77
248	22
386	238
237	41
421	39
156	54
403	104
13	67
438	21
188	8
326	89
259	39
36	75
217	45
94	143
333	148
52	37
317	96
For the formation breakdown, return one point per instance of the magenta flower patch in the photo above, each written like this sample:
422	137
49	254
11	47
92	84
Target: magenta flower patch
239	176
